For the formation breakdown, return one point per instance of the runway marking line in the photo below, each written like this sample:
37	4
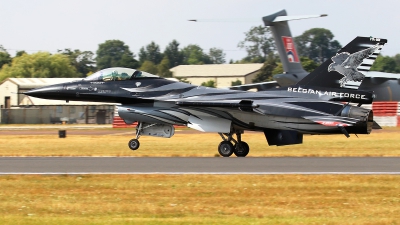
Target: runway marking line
207	173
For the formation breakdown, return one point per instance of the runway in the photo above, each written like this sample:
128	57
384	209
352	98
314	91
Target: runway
199	165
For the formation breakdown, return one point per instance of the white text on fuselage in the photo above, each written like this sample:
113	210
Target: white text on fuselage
328	93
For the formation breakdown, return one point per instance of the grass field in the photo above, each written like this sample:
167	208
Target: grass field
199	199
382	143
204	199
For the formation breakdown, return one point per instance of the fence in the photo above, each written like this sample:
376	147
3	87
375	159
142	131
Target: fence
386	114
102	114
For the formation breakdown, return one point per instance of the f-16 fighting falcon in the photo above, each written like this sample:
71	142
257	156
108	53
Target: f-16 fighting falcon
283	114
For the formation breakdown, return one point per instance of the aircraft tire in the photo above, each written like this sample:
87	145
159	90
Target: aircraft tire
134	144
241	151
225	149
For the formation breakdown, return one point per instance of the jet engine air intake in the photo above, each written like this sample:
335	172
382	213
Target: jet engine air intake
365	117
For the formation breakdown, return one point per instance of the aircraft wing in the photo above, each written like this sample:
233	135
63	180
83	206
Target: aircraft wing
259	86
243	105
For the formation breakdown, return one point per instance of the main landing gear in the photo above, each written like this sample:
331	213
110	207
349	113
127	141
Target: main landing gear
239	148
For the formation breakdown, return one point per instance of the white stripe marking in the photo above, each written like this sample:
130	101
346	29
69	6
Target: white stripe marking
205	173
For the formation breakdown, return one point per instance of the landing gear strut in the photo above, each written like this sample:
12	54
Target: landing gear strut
226	148
134	143
151	129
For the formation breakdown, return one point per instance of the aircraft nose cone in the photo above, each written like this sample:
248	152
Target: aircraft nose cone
45	92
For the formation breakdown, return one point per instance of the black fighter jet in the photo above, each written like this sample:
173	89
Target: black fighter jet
316	105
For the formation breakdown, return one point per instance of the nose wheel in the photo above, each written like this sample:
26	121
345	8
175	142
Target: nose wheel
134	144
226	148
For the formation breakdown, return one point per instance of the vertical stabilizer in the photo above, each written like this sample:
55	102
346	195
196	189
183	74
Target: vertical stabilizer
348	67
278	22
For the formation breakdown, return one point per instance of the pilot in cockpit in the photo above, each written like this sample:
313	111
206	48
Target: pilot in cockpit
118	74
136	74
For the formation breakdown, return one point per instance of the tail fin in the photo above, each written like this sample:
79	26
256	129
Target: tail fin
286	46
348	67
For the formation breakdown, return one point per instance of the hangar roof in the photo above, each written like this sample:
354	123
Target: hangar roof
212	70
27	83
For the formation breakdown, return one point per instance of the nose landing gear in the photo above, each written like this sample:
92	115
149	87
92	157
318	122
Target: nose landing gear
134	144
151	129
226	148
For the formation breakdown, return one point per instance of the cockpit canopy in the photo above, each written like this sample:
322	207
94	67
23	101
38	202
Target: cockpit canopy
118	74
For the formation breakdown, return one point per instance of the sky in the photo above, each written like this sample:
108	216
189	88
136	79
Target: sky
48	25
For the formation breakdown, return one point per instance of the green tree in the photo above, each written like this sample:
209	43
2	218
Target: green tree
236	82
317	44
397	59
194	55
82	61
278	69
216	55
210	83
20	53
114	53
163	68
41	65
5	58
258	44
149	66
174	54
150	53
308	64
266	71
183	80
385	64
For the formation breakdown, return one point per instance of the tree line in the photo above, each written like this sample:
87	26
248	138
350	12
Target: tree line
314	46
111	53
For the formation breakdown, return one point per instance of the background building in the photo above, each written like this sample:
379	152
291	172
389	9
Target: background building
11	88
222	74
17	108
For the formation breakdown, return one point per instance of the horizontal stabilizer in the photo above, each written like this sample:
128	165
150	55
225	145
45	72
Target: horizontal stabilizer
376	126
376	74
288	18
333	121
263	86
